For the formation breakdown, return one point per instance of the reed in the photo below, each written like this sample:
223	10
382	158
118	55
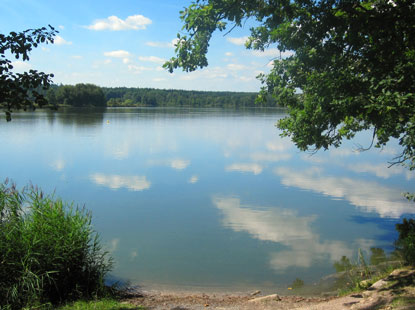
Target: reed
49	251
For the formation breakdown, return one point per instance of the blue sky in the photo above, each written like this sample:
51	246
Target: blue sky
125	42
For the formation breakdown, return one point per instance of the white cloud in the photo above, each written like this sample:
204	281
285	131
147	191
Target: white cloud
170	44
246	78
194	179
61	27
134	183
118	54
61	41
152	59
138	69
77	57
159	79
236	67
272	52
21	66
213	73
368	196
242	167
126	60
229	54
114	23
238	41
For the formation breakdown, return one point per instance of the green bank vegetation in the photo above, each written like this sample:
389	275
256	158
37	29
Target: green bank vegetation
355	276
49	252
103	304
87	95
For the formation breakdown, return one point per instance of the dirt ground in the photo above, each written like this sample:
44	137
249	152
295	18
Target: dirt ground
397	291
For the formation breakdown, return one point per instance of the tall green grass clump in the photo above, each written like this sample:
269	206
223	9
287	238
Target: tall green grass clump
49	252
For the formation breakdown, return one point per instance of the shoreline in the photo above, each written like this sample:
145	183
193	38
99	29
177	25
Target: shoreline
398	286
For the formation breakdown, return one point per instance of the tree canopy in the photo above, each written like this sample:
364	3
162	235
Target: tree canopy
352	66
79	95
22	90
125	97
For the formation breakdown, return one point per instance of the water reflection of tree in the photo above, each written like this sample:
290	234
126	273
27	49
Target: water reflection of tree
82	117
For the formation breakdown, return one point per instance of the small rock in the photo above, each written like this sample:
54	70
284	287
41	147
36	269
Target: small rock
255	293
365	284
379	284
266	298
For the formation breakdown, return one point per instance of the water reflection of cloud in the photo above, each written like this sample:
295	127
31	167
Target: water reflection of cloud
178	163
113	245
121	151
343	152
282	226
369	196
280	145
277	225
194	179
381	170
273	157
58	165
134	183
133	254
304	253
244	167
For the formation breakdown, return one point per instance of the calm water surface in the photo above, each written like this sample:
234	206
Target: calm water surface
209	198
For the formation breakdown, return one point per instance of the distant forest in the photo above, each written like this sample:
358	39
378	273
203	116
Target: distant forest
83	95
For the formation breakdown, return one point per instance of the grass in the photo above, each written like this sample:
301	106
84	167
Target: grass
355	277
403	301
103	304
49	251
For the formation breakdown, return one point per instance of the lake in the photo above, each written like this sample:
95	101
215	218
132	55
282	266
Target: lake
210	198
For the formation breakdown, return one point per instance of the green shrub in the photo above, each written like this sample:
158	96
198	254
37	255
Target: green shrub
405	244
49	252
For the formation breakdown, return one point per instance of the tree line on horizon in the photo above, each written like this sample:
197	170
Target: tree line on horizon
84	95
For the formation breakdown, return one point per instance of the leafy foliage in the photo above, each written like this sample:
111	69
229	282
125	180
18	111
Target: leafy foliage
49	252
86	95
355	275
79	95
352	63
122	96
22	90
406	240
